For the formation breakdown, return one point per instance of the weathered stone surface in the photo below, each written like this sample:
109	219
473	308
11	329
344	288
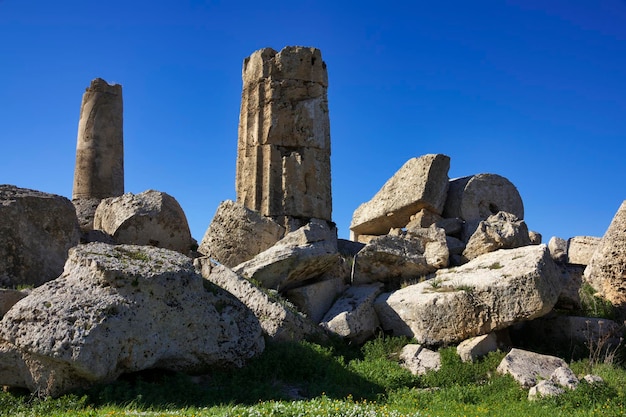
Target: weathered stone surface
544	388
99	170
283	153
36	231
498	231
237	234
279	321
452	226
150	218
558	249
315	299
572	278
489	293
580	249
414	253
564	377
535	237
118	309
423	219
420	183
8	298
528	367
85	211
303	254
478	197
606	271
593	379
419	359
476	347
455	246
353	316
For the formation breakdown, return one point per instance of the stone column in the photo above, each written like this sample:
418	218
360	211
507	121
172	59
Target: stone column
283	153
99	171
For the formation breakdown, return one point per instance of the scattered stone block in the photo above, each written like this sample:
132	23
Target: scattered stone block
535	237
237	234
151	218
420	183
489	293
564	377
527	368
478	197
544	388
119	309
498	231
580	249
315	299
352	316
558	249
279	321
419	360
36	231
414	253
476	347
303	254
606	271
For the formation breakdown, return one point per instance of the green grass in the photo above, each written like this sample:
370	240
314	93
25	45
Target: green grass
305	379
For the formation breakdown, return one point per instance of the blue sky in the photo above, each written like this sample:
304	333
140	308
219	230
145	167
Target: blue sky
533	90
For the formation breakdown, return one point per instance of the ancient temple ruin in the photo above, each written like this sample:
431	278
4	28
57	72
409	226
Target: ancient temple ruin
283	153
99	171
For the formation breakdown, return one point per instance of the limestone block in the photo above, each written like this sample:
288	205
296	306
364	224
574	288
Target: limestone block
452	226
499	231
606	271
529	367
476	347
455	246
421	183
8	298
489	293
36	231
283	152
85	211
478	197
237	234
279	321
558	249
150	218
306	253
314	300
419	360
564	377
544	388
572	278
352	316
423	219
415	253
99	170
593	379
119	309
535	237
580	249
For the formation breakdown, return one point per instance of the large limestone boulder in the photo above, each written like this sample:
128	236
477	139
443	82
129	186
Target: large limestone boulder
407	255
280	321
580	249
150	218
237	234
118	309
305	253
36	231
499	231
420	183
489	293
606	271
528	367
353	316
478	197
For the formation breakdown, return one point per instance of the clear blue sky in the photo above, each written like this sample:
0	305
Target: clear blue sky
533	90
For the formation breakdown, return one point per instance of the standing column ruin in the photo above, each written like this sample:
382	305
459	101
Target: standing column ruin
99	170
283	153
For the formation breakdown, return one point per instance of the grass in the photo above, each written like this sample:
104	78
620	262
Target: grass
305	379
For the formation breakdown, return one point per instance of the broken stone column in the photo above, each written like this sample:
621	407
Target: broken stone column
99	170
283	153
